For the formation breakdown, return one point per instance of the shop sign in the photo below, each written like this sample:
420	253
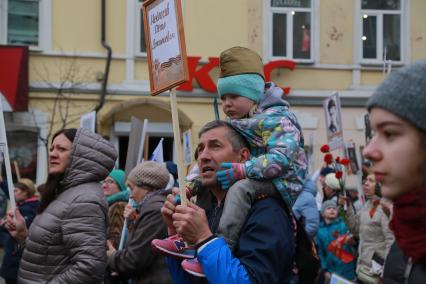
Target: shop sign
206	82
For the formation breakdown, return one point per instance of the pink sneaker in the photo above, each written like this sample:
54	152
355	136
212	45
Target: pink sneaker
192	266
174	246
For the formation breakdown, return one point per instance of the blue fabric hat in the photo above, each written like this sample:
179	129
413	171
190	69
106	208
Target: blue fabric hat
250	86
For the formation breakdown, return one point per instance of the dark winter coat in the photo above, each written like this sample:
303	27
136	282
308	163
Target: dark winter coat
67	241
12	255
137	260
397	265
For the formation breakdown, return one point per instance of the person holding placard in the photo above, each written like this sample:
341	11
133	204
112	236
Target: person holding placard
265	249
278	163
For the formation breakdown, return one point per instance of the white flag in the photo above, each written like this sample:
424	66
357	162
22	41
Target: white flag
157	155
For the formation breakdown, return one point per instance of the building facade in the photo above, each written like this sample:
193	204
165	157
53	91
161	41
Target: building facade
338	46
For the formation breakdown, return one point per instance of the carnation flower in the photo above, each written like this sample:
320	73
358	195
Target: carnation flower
325	148
328	158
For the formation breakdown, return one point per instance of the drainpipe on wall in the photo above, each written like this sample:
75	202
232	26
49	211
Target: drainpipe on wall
108	63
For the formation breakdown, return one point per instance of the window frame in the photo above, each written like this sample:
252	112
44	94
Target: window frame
379	33
268	22
138	20
44	24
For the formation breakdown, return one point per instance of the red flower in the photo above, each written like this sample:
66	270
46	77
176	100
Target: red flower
344	161
325	148
337	159
328	158
339	174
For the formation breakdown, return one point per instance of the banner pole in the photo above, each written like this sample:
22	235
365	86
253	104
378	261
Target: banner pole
18	173
143	135
178	146
5	149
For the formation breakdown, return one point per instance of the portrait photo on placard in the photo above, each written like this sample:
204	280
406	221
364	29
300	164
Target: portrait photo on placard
332	110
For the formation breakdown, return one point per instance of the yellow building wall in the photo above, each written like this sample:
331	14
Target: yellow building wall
418	29
78	70
255	25
67	111
141	69
76	26
336	31
313	79
213	26
372	78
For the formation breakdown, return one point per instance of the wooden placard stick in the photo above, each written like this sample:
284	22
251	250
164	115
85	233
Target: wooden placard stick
17	172
178	146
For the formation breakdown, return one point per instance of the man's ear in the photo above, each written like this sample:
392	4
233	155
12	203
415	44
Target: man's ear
244	155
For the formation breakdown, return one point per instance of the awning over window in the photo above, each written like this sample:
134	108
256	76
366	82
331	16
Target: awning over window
14	76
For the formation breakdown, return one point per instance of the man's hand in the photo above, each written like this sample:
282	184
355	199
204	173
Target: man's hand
191	223
231	173
16	226
167	211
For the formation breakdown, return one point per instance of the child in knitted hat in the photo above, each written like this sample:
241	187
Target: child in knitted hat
336	255
257	110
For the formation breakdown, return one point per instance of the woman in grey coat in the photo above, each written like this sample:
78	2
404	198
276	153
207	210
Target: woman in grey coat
66	242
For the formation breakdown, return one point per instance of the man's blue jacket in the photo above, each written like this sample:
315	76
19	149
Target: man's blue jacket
264	254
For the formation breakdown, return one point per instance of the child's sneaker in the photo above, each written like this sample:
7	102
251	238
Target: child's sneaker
192	266
174	246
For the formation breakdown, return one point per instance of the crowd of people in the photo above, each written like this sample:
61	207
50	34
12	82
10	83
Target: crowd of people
255	215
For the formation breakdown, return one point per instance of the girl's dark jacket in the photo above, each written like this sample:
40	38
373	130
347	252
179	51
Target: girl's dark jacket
398	269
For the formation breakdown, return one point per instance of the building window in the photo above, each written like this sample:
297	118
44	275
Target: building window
141	46
381	30
290	30
24	22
